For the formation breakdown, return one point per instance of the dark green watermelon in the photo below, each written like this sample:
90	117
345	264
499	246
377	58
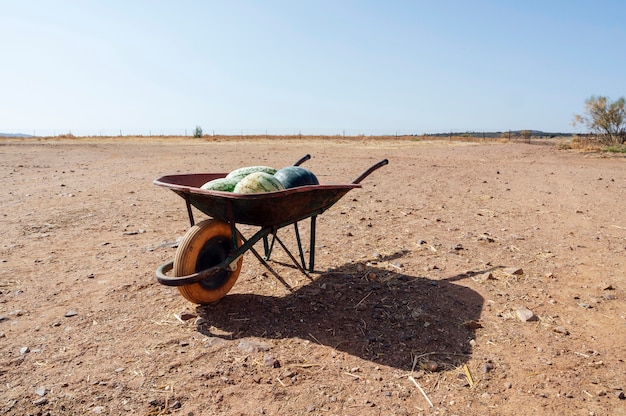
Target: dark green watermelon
294	176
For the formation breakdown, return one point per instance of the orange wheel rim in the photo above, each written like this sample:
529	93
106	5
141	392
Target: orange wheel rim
206	244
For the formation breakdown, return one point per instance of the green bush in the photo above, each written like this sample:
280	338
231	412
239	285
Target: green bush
616	149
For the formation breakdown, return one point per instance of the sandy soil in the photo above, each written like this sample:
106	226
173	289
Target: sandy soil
422	278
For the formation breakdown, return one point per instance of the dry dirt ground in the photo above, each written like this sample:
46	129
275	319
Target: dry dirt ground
415	307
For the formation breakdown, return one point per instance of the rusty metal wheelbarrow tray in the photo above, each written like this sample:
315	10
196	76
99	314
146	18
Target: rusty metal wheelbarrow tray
270	209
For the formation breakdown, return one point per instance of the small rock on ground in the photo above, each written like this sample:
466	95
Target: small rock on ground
524	314
253	346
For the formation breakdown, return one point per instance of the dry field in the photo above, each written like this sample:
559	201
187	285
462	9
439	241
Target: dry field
418	304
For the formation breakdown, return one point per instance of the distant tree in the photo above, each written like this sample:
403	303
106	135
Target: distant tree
197	132
604	117
525	135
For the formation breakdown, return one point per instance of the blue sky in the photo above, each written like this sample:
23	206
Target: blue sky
310	67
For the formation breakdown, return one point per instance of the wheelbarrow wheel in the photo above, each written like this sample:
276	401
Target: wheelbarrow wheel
206	244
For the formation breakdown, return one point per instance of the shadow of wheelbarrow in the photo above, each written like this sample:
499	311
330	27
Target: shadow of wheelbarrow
378	315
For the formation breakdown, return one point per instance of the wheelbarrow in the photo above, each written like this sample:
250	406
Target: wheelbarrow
208	260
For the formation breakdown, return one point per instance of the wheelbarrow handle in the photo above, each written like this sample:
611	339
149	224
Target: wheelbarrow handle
302	160
370	170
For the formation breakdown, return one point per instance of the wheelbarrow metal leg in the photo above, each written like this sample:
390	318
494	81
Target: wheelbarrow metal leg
233	233
295	225
293	259
268	247
312	245
189	211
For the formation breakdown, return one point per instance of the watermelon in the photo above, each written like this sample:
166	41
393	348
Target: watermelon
258	182
294	176
245	171
221	184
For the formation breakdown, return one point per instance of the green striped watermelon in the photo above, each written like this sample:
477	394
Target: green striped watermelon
258	182
221	184
245	171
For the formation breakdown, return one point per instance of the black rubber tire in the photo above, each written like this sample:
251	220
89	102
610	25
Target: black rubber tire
204	245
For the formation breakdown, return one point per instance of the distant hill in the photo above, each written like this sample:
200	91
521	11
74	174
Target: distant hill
535	133
15	135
